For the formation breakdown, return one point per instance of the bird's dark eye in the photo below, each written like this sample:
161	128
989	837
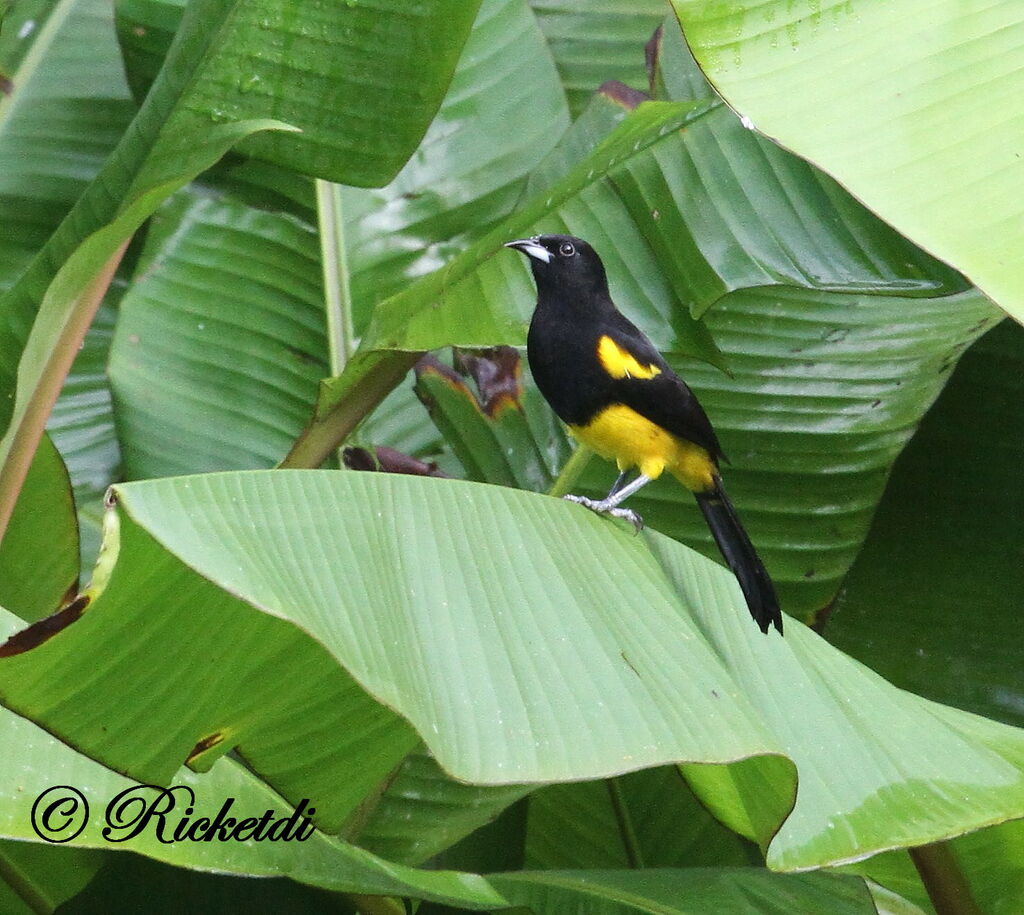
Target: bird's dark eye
567	249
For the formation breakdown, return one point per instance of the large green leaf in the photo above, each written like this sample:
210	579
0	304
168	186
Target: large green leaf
518	730
934	600
67	107
838	703
228	305
585	651
915	106
362	81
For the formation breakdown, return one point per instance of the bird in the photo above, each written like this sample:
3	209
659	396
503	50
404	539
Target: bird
613	389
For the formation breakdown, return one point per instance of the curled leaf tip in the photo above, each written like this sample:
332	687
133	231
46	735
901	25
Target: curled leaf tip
497	372
624	95
207	743
388	460
45	629
652	53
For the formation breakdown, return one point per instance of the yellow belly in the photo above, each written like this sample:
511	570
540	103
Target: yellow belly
621	434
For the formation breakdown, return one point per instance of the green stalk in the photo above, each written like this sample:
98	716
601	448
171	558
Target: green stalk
627	833
18	446
572	470
943	879
24	889
334	261
341	335
329	428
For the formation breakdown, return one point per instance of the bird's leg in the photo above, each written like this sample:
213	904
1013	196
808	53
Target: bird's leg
609	505
620	495
617	485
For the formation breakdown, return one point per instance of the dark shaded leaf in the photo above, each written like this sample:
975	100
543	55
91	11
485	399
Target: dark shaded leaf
582	825
423	812
691	891
934	600
39	553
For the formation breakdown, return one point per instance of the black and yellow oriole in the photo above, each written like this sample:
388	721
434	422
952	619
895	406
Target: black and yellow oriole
618	396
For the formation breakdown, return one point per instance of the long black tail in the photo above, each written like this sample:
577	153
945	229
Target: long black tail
741	557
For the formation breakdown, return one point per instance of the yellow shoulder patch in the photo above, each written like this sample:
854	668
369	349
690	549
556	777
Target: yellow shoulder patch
620	363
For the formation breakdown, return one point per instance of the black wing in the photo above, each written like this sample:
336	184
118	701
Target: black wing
664	399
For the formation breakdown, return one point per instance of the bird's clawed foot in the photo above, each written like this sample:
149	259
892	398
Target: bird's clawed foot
609	507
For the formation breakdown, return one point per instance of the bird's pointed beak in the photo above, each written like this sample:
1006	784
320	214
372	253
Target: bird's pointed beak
532	248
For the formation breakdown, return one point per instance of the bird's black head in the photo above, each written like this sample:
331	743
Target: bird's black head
563	265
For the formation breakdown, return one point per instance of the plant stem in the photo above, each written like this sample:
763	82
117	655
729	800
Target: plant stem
943	879
571	471
28	424
627	833
334	263
24	889
328	430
